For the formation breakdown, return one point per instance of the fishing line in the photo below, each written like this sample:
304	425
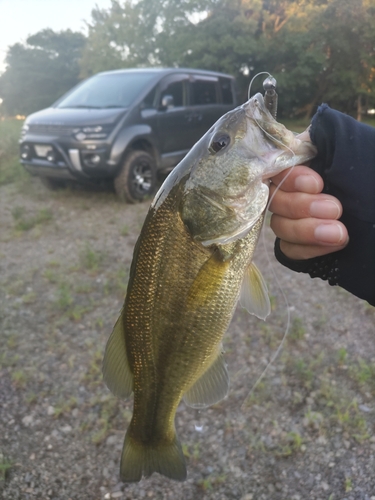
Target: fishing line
274	275
251	82
271	267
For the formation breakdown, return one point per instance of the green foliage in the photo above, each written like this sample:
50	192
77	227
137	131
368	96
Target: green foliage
10	167
306	45
25	221
297	330
90	258
64	297
41	71
5	465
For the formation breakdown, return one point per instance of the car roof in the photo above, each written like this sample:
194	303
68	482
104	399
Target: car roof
166	71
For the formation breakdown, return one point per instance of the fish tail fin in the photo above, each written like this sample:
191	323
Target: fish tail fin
139	460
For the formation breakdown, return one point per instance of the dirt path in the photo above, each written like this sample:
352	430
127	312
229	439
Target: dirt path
306	432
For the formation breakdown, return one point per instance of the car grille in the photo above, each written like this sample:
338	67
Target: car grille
40	129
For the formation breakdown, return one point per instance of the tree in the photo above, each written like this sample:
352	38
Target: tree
318	50
129	34
41	71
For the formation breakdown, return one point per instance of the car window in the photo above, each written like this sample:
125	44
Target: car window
107	90
203	92
176	90
149	101
226	90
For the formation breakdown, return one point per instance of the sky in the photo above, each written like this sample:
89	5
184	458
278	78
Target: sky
21	18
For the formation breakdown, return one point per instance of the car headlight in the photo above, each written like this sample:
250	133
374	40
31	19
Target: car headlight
89	133
24	130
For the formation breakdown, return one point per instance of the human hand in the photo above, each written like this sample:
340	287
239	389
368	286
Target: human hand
303	217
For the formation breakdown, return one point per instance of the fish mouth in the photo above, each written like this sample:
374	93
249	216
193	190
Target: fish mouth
256	108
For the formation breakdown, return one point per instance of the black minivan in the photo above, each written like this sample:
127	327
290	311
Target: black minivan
124	126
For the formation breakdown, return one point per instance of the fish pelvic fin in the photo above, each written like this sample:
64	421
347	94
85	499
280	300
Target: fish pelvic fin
211	387
116	370
141	460
254	295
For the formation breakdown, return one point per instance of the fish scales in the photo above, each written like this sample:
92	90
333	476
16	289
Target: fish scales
192	261
191	319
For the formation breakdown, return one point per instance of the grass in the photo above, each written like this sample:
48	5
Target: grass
5	465
25	221
297	330
89	258
10	168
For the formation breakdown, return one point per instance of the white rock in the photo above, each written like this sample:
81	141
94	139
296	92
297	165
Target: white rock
27	420
50	411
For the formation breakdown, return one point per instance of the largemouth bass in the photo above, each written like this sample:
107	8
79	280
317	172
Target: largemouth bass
191	263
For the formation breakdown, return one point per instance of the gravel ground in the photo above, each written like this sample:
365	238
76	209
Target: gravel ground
307	430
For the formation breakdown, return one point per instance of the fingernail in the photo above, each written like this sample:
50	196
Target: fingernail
306	184
329	233
325	209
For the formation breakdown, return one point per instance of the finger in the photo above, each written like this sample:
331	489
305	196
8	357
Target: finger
299	178
303	205
310	231
302	252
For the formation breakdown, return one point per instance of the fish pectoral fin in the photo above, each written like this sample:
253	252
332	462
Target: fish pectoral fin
254	295
116	370
211	387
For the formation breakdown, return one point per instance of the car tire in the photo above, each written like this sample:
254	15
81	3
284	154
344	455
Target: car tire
52	183
137	178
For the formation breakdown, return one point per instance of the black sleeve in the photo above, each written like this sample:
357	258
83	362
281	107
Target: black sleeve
346	162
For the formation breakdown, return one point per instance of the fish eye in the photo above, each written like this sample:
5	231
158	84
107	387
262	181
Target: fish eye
218	143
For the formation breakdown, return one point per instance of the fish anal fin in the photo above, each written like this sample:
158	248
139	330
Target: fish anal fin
141	460
254	295
116	370
211	387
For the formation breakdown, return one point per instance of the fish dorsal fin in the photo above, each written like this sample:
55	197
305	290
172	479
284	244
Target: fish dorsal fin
254	295
211	387
116	370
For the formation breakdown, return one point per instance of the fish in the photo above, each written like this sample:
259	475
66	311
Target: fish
192	263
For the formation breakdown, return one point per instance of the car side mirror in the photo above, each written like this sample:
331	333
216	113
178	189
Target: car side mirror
167	102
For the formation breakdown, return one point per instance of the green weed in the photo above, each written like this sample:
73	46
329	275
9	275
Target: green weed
19	378
342	354
304	372
297	330
191	453
5	465
208	483
29	298
10	168
364	374
290	444
348	485
25	222
51	275
351	420
65	407
89	258
78	311
64	297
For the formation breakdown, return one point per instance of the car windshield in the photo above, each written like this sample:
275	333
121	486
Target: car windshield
116	90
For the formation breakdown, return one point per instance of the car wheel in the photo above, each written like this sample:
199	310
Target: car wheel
137	178
52	183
